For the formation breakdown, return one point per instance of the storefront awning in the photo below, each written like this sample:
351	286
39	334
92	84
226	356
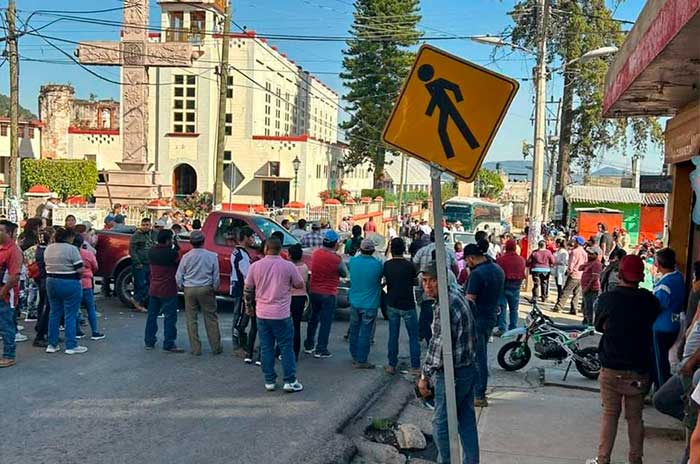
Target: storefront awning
657	70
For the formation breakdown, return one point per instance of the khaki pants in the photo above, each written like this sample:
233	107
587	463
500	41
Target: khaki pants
202	299
617	387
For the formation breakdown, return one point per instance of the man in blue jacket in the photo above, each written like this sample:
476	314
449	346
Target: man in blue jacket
670	291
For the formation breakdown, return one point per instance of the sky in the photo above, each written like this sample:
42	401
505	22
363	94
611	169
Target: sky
324	59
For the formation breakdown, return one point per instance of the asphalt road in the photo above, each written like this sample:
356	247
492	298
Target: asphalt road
119	403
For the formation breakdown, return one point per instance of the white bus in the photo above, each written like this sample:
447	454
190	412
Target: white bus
474	213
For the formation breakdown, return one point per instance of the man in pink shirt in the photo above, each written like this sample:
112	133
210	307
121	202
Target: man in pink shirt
268	295
572	287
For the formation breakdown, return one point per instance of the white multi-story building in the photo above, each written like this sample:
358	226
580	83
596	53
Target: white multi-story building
276	112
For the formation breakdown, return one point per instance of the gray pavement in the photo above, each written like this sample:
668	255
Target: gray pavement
119	403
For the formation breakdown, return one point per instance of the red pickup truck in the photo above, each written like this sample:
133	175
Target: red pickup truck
115	263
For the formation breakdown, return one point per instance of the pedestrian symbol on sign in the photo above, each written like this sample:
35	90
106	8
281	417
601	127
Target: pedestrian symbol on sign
439	99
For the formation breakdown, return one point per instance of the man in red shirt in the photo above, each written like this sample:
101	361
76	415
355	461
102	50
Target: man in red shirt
513	266
10	266
370	226
524	243
327	267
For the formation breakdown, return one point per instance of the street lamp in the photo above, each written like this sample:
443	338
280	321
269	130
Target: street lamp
296	163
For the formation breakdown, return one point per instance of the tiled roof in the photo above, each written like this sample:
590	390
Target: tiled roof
655	198
595	194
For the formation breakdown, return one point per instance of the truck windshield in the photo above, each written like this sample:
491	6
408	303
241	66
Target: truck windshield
268	226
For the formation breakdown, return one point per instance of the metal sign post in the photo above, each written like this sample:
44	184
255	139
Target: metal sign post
445	325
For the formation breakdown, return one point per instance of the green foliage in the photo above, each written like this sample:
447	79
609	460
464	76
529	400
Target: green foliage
577	27
377	60
488	184
24	113
200	204
373	193
448	190
383	424
65	177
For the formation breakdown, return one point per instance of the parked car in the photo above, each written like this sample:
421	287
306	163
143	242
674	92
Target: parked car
115	263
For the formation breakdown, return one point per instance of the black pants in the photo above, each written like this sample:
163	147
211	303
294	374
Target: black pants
540	285
252	335
297	310
663	341
42	325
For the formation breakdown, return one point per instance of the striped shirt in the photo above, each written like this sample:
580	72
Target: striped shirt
63	261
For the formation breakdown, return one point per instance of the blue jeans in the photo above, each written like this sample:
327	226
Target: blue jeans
89	303
465	380
64	298
410	320
509	303
168	306
322	311
425	321
361	325
482	362
282	332
8	330
142	279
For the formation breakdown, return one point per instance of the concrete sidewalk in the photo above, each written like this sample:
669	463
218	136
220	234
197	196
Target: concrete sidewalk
554	425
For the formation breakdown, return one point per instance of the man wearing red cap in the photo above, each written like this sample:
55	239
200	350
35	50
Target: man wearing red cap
625	316
513	266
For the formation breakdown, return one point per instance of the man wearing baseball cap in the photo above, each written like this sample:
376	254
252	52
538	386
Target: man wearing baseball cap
590	282
313	239
365	290
326	268
625	316
572	287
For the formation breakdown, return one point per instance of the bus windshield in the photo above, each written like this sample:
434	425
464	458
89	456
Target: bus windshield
471	215
462	213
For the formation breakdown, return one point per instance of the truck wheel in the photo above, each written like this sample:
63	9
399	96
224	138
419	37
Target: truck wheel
124	287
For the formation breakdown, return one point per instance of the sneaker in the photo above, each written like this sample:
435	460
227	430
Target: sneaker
53	348
258	363
364	365
20	328
77	350
248	360
30	318
323	354
481	403
429	404
309	350
174	349
20	338
271	386
40	343
293	387
391	370
97	336
7	362
79	335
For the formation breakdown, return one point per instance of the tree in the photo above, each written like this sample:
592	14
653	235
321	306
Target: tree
24	113
576	27
376	62
448	190
488	184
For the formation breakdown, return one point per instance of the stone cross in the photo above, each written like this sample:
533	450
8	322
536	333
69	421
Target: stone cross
135	54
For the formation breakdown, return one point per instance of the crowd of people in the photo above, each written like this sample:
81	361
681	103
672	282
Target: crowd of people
635	298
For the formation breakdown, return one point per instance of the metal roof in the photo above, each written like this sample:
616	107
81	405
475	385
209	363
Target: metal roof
651	199
595	194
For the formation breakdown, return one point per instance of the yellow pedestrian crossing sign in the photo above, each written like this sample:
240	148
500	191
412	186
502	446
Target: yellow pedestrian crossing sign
449	111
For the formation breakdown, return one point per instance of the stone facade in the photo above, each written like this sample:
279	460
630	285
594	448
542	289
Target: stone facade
55	111
100	114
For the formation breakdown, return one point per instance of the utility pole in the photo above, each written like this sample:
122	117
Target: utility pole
14	98
540	124
223	90
401	187
552	162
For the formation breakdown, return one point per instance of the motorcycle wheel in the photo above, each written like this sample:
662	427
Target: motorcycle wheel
590	366
514	355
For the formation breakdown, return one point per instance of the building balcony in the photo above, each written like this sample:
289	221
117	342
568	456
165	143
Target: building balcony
192	35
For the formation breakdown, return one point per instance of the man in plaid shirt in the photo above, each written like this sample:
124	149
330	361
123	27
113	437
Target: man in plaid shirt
313	239
464	357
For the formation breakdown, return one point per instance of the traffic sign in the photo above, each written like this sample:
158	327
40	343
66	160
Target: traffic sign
449	111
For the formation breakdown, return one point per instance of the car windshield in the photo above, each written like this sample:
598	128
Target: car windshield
268	226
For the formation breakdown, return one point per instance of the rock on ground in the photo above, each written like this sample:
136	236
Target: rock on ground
377	452
418	415
410	436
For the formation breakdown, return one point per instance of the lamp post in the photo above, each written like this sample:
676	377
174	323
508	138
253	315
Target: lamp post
296	163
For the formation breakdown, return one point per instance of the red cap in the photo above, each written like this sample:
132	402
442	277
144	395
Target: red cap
631	268
510	245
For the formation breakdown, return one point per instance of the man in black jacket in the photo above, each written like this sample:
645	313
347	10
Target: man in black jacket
625	316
